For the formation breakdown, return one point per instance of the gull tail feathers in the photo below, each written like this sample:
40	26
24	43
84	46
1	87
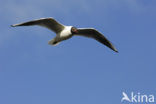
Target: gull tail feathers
53	42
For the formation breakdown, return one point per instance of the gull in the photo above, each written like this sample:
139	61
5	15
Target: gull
65	32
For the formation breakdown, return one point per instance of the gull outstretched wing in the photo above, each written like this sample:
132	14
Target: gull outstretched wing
49	23
92	33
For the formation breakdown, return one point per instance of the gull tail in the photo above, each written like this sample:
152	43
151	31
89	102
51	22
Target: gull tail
53	42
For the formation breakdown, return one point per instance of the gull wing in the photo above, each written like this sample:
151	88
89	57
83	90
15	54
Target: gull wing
49	23
92	33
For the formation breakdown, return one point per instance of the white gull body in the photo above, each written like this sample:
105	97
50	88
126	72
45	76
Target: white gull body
63	35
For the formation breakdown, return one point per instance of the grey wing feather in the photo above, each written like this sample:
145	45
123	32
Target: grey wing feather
49	23
92	33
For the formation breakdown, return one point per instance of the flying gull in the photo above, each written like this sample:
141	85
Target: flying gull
65	32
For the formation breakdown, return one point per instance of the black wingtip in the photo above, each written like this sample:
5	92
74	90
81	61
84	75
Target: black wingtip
13	25
116	51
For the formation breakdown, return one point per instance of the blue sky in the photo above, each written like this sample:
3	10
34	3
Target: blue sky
79	70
